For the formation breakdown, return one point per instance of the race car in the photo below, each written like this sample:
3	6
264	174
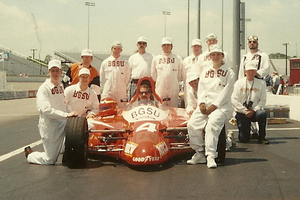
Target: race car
146	132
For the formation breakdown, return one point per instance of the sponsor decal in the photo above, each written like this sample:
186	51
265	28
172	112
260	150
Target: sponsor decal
129	148
145	159
162	148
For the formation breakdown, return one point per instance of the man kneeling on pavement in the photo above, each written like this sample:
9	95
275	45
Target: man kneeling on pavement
248	100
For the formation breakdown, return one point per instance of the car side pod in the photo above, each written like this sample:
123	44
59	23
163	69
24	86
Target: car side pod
76	132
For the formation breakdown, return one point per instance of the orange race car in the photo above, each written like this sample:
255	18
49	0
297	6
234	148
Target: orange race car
144	133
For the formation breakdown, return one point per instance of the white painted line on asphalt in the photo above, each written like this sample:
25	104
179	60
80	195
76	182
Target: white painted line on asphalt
17	151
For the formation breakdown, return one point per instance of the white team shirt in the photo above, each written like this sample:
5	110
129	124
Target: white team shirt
215	87
114	77
81	101
140	65
243	93
263	63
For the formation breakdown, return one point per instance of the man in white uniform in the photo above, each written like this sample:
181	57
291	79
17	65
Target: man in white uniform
193	81
53	117
248	100
140	64
81	98
214	108
115	75
166	70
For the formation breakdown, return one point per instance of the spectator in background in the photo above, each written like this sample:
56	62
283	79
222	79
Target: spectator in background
276	82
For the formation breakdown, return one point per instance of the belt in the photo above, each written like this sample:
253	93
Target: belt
134	81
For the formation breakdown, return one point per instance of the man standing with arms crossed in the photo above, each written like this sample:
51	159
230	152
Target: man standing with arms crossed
140	64
166	70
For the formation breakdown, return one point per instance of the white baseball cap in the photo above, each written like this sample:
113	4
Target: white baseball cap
211	36
192	77
117	44
84	71
215	48
54	63
166	40
196	42
253	38
250	66
142	39
86	52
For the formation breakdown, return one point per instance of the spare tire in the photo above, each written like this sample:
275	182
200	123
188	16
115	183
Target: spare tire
76	132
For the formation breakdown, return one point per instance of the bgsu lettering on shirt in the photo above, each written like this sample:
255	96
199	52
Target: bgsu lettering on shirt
116	63
57	90
166	60
81	95
211	73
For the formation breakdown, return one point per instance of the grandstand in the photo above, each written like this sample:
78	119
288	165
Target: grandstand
17	64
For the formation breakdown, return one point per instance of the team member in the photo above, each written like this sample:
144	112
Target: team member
166	70
191	63
72	77
204	60
248	100
193	81
81	98
145	93
214	107
115	75
53	117
140	64
263	66
255	55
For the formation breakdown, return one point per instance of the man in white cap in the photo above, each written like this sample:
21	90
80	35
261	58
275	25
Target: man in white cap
72	77
81	98
262	62
204	59
248	100
140	64
167	71
53	117
115	75
191	94
214	107
191	63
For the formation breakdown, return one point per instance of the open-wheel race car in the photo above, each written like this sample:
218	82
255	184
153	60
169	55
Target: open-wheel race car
144	133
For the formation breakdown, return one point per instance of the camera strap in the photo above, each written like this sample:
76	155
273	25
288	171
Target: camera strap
248	97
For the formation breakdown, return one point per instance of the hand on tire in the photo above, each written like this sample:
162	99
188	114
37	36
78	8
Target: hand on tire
72	114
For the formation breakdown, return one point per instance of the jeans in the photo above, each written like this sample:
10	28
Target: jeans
244	124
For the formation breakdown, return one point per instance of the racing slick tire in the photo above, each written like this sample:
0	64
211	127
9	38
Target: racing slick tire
76	132
221	149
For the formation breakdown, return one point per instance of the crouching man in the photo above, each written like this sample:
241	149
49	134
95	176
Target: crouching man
214	107
248	100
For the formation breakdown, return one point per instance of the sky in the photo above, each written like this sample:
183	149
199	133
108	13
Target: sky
62	25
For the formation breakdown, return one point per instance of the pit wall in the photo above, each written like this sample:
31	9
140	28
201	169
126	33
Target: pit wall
286	100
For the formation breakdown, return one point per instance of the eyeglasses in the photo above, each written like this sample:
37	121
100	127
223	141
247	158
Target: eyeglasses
142	43
254	42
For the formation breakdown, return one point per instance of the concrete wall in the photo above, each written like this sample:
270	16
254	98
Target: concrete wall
283	100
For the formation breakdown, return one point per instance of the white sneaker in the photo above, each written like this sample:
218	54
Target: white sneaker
198	158
211	163
231	136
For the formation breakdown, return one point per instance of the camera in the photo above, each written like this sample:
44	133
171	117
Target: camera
248	105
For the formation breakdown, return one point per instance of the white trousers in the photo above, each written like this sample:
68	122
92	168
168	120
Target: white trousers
53	143
213	125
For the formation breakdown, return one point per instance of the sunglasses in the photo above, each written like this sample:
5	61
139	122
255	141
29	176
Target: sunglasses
254	42
144	92
142	43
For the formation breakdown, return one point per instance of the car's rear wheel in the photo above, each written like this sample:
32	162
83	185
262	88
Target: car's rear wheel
76	141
